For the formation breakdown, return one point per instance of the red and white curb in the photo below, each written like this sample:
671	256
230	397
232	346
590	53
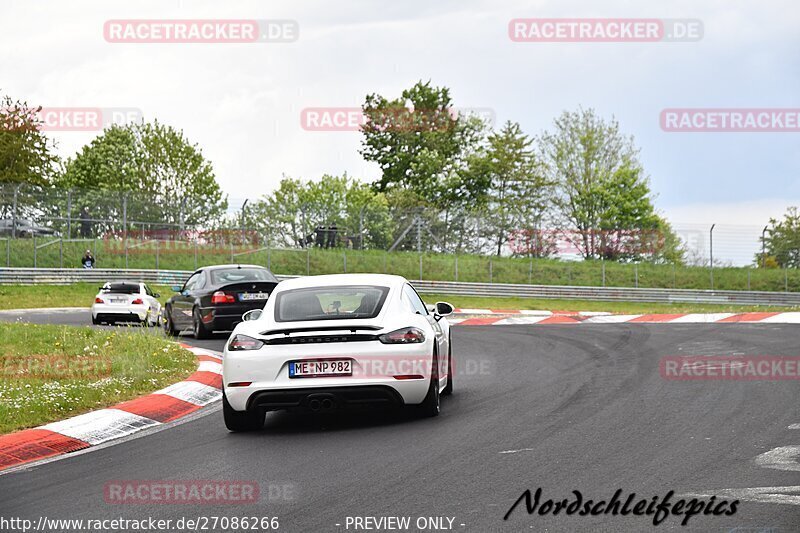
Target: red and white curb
496	317
201	388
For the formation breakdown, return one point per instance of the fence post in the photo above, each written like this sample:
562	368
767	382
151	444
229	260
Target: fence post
8	252
308	261
491	273
384	261
35	251
420	267
61	252
195	253
231	249
786	279
748	279
603	263
69	214
157	254
636	275
14	214
344	257
530	271
456	263
125	225
269	258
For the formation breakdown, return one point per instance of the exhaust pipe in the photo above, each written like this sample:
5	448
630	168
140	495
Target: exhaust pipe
314	405
327	404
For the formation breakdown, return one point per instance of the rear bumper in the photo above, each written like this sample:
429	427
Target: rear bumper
225	317
325	398
118	317
119	313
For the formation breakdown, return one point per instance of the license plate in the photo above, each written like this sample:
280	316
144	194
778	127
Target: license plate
118	300
249	296
320	368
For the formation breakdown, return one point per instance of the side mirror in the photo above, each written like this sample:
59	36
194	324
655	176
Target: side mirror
443	309
176	288
253	314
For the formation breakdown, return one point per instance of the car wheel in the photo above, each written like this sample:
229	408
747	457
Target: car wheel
430	405
448	389
95	321
240	420
169	325
198	328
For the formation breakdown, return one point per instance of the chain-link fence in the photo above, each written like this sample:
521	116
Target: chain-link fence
46	227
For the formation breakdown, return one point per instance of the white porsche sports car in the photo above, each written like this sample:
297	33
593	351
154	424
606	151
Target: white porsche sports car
126	301
333	342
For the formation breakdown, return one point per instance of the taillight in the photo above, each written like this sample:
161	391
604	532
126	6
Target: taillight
240	343
220	297
137	301
99	301
403	336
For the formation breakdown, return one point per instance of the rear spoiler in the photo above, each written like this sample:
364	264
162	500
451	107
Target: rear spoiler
352	328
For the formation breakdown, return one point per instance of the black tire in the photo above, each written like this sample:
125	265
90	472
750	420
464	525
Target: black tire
241	420
95	322
448	389
430	405
198	328
169	325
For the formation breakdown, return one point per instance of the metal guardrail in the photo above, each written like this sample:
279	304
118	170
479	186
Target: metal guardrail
628	294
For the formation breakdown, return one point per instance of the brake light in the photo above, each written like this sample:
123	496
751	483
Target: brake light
138	301
240	384
99	301
220	297
403	336
240	343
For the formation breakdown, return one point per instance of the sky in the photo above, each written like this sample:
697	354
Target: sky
242	103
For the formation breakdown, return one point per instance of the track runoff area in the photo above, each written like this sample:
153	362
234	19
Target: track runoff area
557	423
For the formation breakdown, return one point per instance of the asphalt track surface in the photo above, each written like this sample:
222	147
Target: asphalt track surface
558	407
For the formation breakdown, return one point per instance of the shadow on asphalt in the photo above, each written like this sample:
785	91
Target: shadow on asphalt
285	423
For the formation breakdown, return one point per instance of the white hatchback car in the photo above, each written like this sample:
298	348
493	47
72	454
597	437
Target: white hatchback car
337	341
126	301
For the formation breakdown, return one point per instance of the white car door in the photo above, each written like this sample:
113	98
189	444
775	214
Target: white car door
419	306
155	306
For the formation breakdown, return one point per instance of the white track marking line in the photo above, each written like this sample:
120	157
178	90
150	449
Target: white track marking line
520	320
209	366
786	495
476	312
610	319
516	451
100	426
792	317
192	392
781	458
701	318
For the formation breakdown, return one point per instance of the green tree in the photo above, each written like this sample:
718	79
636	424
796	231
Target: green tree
417	140
291	214
163	178
517	194
782	241
603	195
27	155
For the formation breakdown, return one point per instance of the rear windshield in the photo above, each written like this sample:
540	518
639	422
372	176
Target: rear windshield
235	275
329	303
121	288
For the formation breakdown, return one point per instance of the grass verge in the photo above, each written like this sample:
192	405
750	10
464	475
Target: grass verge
53	372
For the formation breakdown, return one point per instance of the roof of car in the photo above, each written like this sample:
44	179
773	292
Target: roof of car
234	265
330	280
